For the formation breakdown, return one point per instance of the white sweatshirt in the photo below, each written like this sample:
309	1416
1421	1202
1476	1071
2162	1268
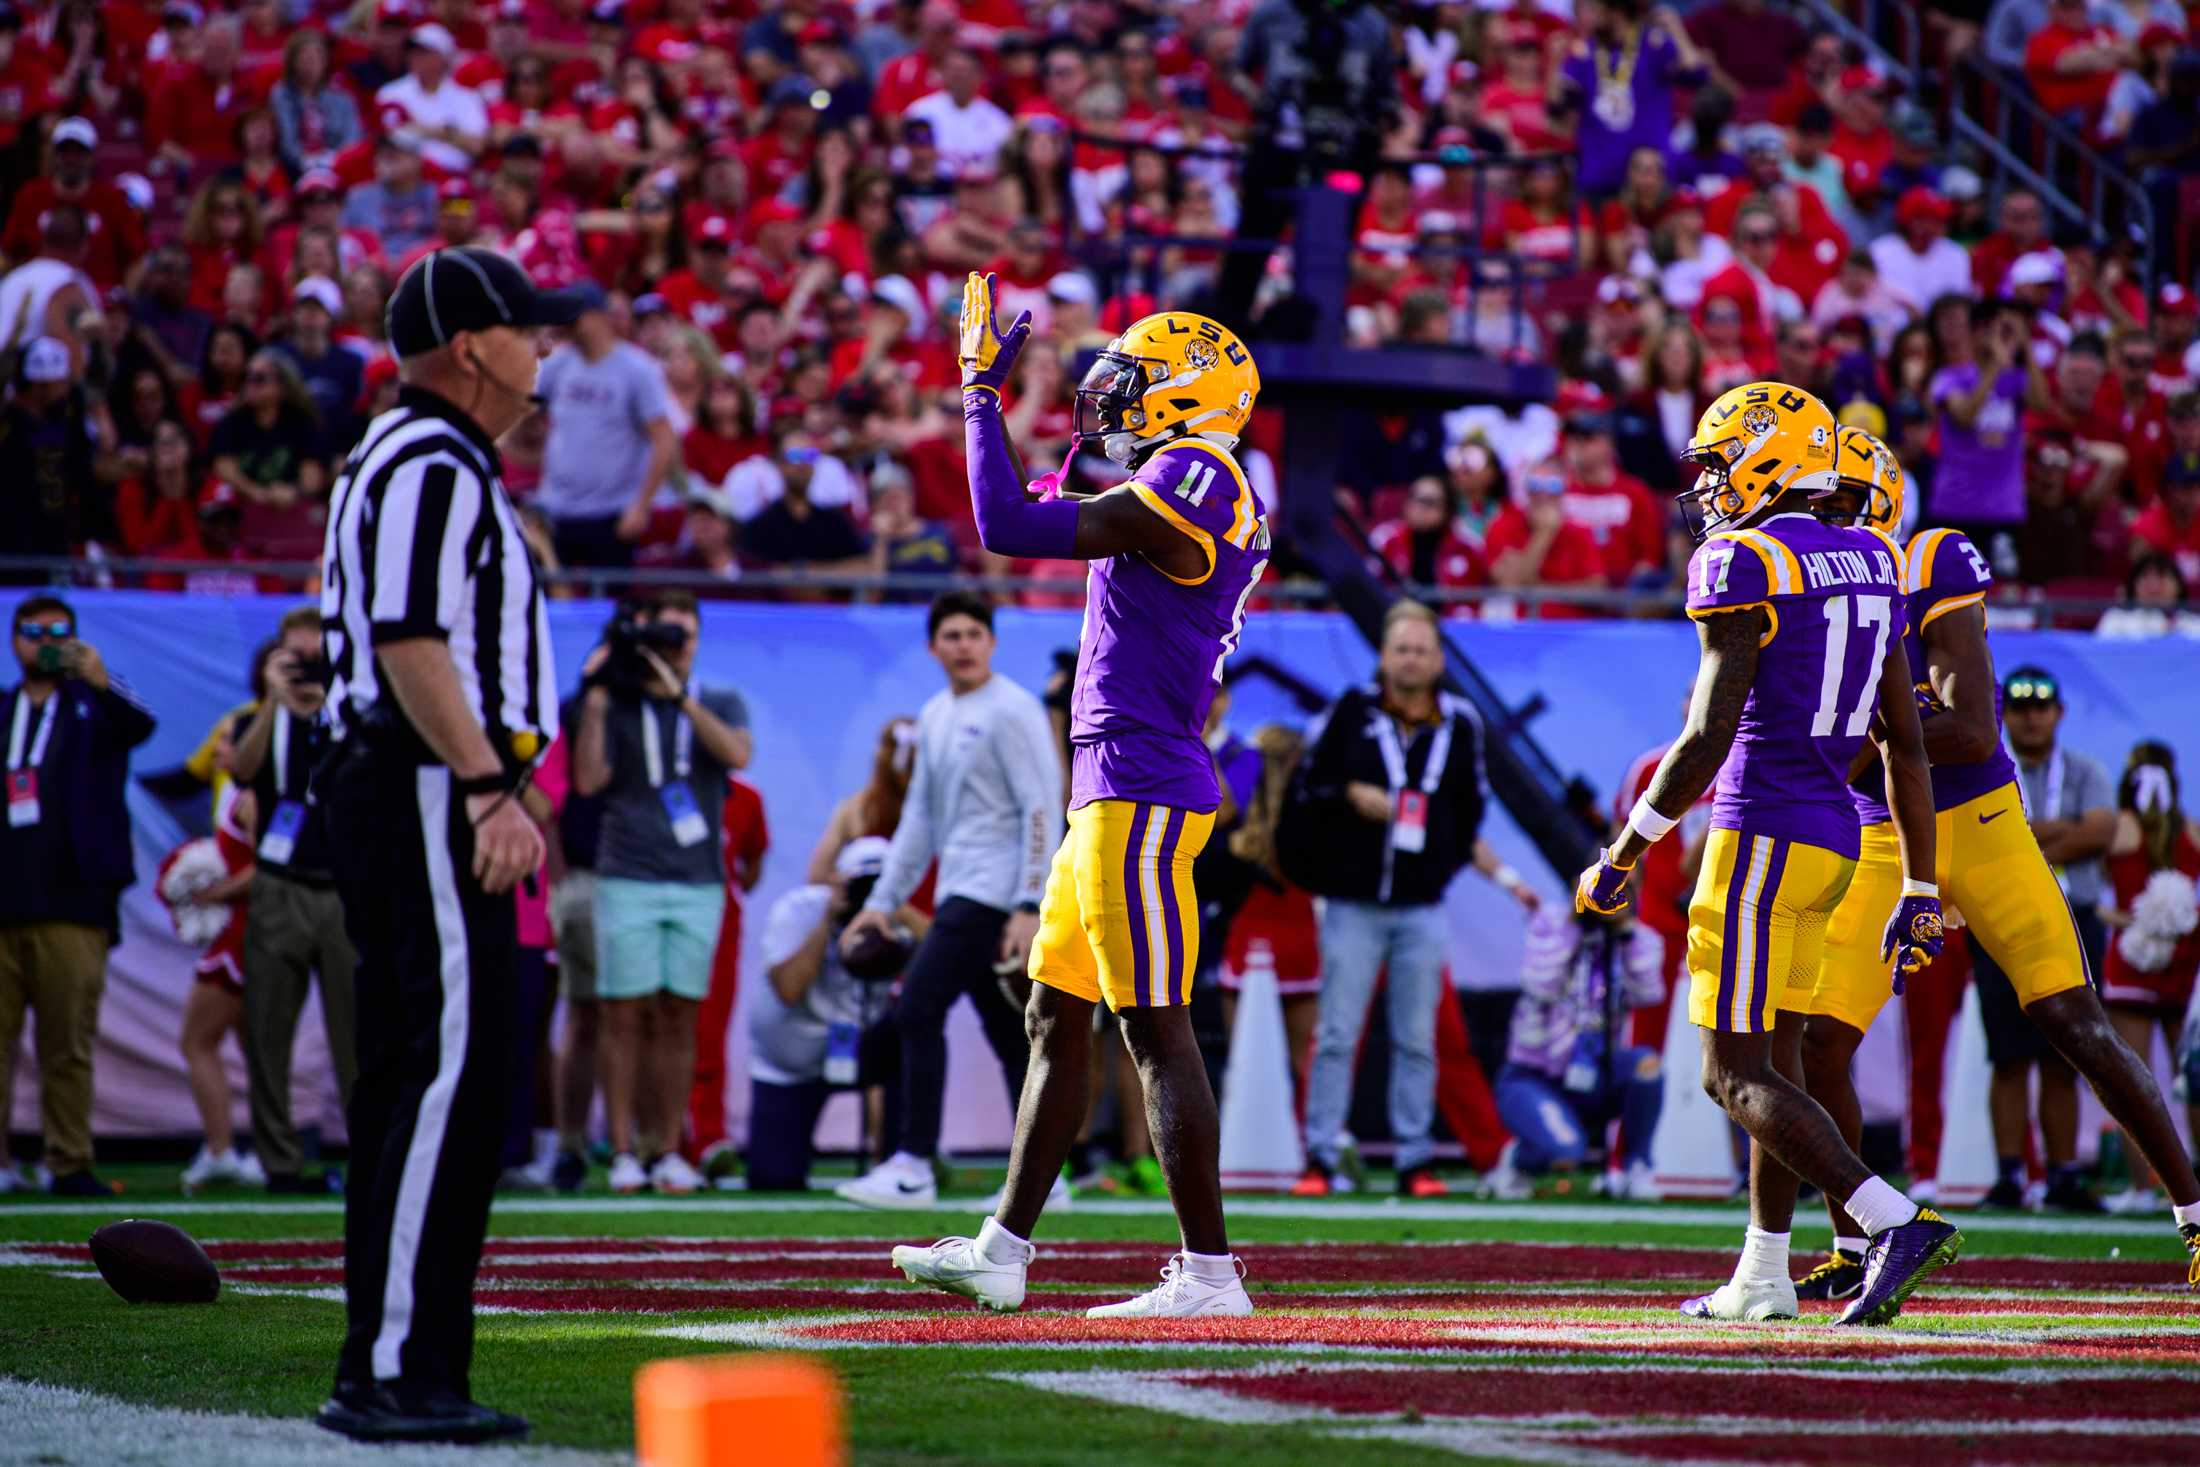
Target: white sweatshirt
985	798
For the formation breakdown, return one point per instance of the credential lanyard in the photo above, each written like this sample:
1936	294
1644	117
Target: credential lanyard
20	725
1394	754
683	743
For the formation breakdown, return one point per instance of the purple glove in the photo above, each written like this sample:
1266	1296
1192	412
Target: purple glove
987	354
1602	888
1913	936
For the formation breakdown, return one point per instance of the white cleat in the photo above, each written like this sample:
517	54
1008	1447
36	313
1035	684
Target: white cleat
627	1176
1180	1296
1505	1182
956	1266
673	1177
1061	1197
1750	1303
211	1168
900	1183
2134	1202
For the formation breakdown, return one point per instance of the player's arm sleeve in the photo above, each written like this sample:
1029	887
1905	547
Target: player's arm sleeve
1728	573
1026	743
1010	522
912	848
430	510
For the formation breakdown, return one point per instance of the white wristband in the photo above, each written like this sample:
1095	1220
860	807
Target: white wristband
1506	878
1648	823
1911	886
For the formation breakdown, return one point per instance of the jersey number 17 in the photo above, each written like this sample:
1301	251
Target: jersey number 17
1874	613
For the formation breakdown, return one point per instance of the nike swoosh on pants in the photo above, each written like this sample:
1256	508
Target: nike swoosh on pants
1990	819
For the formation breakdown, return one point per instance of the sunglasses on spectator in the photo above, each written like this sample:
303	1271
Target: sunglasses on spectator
46	631
1759	236
800	454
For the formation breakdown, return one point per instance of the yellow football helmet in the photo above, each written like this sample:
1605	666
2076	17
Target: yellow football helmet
1169	375
1868	469
1751	446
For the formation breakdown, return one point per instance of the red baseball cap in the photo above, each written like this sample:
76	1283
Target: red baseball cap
717	230
1920	202
2159	34
1865	79
1581	399
319	181
773	211
2175	300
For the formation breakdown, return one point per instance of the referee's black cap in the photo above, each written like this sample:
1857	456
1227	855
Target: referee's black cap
469	289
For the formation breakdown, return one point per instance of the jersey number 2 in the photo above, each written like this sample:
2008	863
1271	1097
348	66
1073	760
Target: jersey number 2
1868	611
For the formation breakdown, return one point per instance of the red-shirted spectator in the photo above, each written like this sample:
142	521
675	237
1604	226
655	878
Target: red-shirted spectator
1424	546
160	508
262	31
1815	80
1810	245
1517	104
1752	48
2176	322
191	121
260	165
917	74
2023	230
2171	524
743	839
114	232
222	230
26	80
1861	139
2072	61
1616	508
2141	414
319	202
1629	218
727	430
697	292
1062	78
1531	543
1544	223
1747	281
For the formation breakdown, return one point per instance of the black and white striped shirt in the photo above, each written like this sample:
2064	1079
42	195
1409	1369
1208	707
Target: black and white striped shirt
423	541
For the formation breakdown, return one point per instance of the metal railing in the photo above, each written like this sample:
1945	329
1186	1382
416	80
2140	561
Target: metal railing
1130	252
1491	603
2100	198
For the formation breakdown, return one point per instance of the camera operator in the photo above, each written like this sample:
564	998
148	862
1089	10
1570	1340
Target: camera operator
64	860
659	745
295	930
1321	77
815	1027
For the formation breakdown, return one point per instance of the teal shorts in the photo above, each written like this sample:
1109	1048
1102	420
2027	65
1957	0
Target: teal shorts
656	937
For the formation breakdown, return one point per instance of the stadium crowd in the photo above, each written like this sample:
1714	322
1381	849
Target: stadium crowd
206	211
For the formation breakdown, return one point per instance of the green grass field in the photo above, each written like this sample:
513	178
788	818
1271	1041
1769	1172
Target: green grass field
1386	1332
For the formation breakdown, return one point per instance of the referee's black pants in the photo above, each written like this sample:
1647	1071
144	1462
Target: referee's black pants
955	958
437	984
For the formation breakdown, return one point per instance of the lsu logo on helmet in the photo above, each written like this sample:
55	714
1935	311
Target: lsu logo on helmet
1169	375
1753	445
1866	467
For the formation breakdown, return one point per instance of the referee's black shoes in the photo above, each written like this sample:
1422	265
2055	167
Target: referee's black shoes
396	1413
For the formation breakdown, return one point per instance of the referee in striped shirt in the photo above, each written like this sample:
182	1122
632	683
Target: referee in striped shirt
444	693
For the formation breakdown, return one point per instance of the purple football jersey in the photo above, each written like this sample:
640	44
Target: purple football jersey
1835	600
1944	572
1150	655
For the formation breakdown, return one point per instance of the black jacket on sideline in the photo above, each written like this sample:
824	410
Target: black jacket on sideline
1328	848
74	863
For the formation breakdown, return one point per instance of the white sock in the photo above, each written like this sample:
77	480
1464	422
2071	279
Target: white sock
999	1245
1851	1245
2188	1212
1764	1257
1211	1268
546	1146
1878	1207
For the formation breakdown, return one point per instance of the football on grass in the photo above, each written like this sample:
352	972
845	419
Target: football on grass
877	956
150	1262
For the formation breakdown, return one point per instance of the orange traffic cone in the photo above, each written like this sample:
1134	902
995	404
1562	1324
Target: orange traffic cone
721	1410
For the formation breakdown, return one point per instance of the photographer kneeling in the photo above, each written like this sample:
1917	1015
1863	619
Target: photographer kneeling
659	746
819	1026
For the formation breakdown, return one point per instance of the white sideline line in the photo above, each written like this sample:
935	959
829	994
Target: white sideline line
61	1426
1655	1214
